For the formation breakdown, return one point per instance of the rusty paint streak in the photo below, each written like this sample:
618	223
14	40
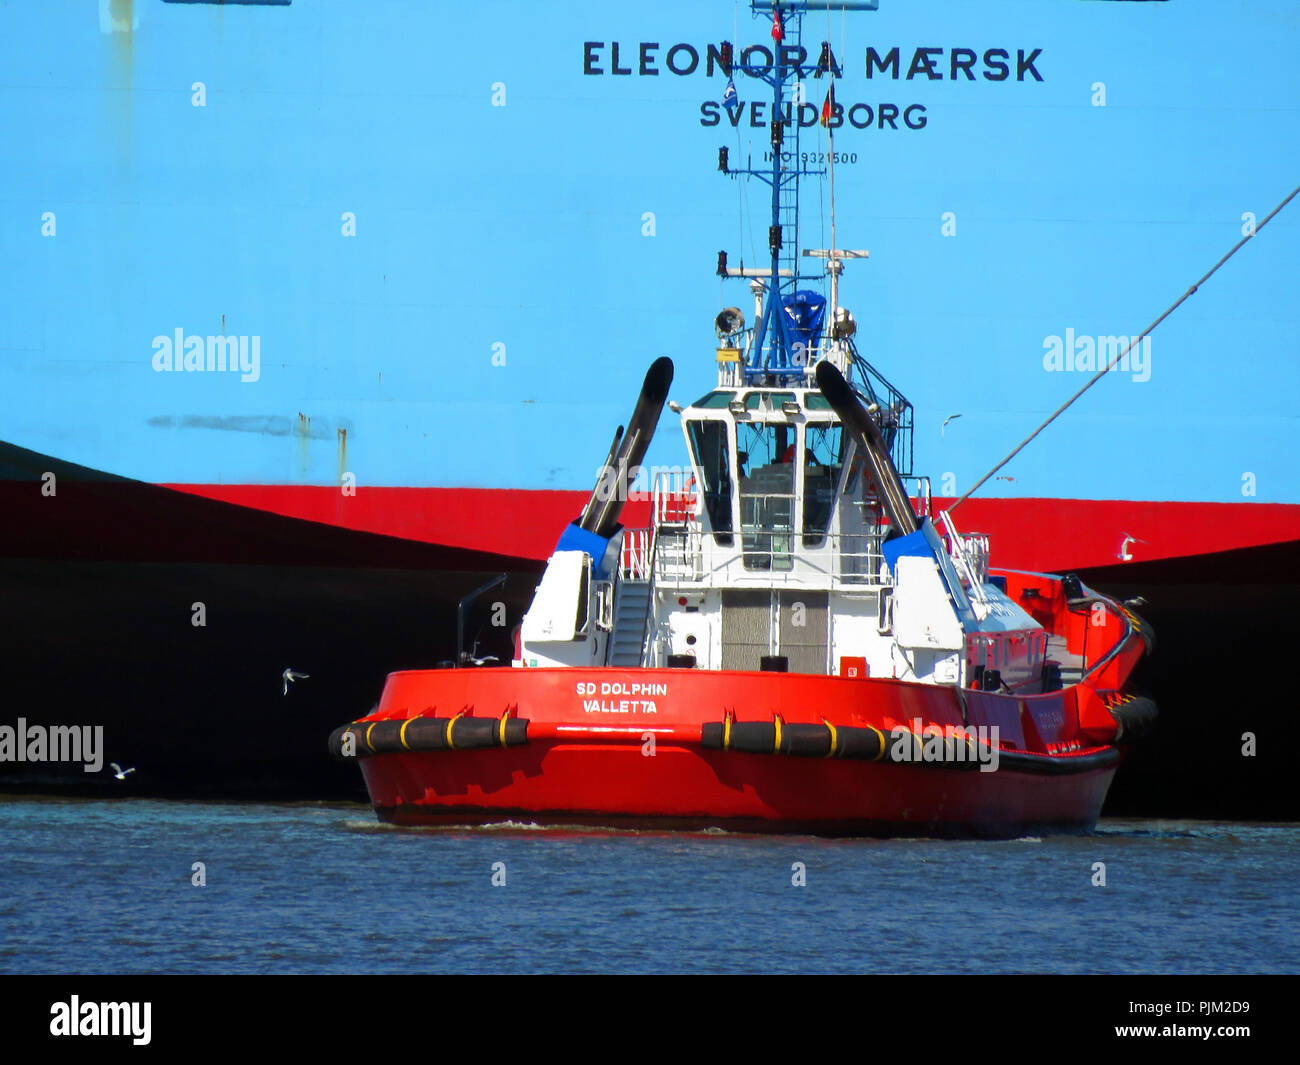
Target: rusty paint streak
267	424
121	16
303	432
118	21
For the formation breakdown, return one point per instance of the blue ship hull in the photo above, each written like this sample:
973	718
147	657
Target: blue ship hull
422	229
271	252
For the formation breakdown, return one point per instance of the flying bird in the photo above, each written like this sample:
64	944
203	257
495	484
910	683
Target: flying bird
289	676
1125	555
119	772
946	421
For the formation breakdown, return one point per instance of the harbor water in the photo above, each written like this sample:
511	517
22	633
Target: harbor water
144	886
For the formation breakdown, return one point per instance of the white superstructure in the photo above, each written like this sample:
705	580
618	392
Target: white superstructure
775	552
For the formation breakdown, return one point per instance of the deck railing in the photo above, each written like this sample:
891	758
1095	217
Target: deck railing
678	550
970	554
634	558
688	556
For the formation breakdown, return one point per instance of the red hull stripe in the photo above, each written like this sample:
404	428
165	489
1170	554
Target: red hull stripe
1036	534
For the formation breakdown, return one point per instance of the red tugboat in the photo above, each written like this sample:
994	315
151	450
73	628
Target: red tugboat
794	644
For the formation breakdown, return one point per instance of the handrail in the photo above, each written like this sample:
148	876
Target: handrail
922	492
685	502
634	555
676	561
957	550
649	603
1118	645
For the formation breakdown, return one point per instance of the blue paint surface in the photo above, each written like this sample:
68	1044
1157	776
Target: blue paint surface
516	231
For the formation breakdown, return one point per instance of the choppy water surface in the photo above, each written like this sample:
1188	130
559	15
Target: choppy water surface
105	887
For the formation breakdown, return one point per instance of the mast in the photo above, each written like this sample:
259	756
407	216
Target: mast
774	355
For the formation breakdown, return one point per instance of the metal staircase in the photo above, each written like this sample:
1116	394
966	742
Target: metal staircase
628	635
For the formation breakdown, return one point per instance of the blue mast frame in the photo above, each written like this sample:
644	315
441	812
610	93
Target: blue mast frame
772	353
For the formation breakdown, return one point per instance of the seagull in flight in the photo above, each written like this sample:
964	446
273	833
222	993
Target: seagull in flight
1125	555
119	772
946	421
289	676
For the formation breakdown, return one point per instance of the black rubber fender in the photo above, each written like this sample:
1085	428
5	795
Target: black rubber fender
396	736
1144	630
1134	718
799	740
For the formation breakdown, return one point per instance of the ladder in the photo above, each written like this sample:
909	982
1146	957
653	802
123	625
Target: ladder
788	203
628	635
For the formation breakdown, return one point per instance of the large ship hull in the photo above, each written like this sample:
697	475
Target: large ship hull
249	287
168	621
1212	613
1046	535
100	583
293	201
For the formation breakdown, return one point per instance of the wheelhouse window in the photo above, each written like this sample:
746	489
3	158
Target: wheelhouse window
714	400
712	454
823	457
765	456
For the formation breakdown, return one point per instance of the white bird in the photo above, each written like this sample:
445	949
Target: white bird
118	771
289	676
1125	555
945	423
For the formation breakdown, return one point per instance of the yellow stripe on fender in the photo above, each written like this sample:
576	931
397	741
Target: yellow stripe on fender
834	738
368	743
726	730
882	742
401	735
451	725
501	732
776	746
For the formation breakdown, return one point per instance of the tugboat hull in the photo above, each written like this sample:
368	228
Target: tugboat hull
619	788
678	749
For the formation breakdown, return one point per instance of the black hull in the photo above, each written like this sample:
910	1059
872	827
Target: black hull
1227	630
97	588
200	711
98	585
